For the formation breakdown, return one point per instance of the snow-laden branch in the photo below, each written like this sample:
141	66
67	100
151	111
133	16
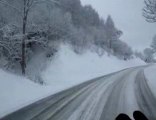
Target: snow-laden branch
15	8
149	11
5	46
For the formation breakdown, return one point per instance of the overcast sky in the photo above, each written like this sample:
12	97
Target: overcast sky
127	15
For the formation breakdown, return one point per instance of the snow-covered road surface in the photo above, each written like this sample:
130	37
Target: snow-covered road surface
100	99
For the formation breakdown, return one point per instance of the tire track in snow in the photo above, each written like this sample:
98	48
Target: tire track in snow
59	110
145	98
92	107
116	103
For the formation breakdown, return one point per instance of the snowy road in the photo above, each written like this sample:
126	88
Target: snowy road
100	99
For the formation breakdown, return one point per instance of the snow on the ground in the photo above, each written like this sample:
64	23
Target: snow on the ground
69	68
150	73
66	70
17	92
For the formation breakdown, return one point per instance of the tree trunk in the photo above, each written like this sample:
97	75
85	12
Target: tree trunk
23	61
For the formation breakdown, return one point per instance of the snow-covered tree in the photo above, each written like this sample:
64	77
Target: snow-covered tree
139	55
26	6
149	11
112	33
74	7
90	16
40	27
148	55
122	50
153	44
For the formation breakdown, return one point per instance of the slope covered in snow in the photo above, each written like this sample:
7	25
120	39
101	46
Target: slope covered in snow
151	77
66	70
71	68
17	92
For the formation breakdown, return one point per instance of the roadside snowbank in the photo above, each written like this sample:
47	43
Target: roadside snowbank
150	73
66	70
17	92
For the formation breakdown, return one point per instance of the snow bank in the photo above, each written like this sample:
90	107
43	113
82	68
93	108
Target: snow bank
66	70
69	68
17	92
150	73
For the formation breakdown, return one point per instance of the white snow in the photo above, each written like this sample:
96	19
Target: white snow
150	73
66	70
17	92
70	68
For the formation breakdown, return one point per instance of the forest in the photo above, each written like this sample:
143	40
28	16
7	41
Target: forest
31	27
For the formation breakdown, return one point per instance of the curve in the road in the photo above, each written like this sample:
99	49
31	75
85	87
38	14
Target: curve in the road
100	99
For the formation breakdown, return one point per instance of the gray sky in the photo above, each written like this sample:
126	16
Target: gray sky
127	15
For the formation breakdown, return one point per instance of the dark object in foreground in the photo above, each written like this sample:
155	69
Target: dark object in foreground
137	116
122	117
